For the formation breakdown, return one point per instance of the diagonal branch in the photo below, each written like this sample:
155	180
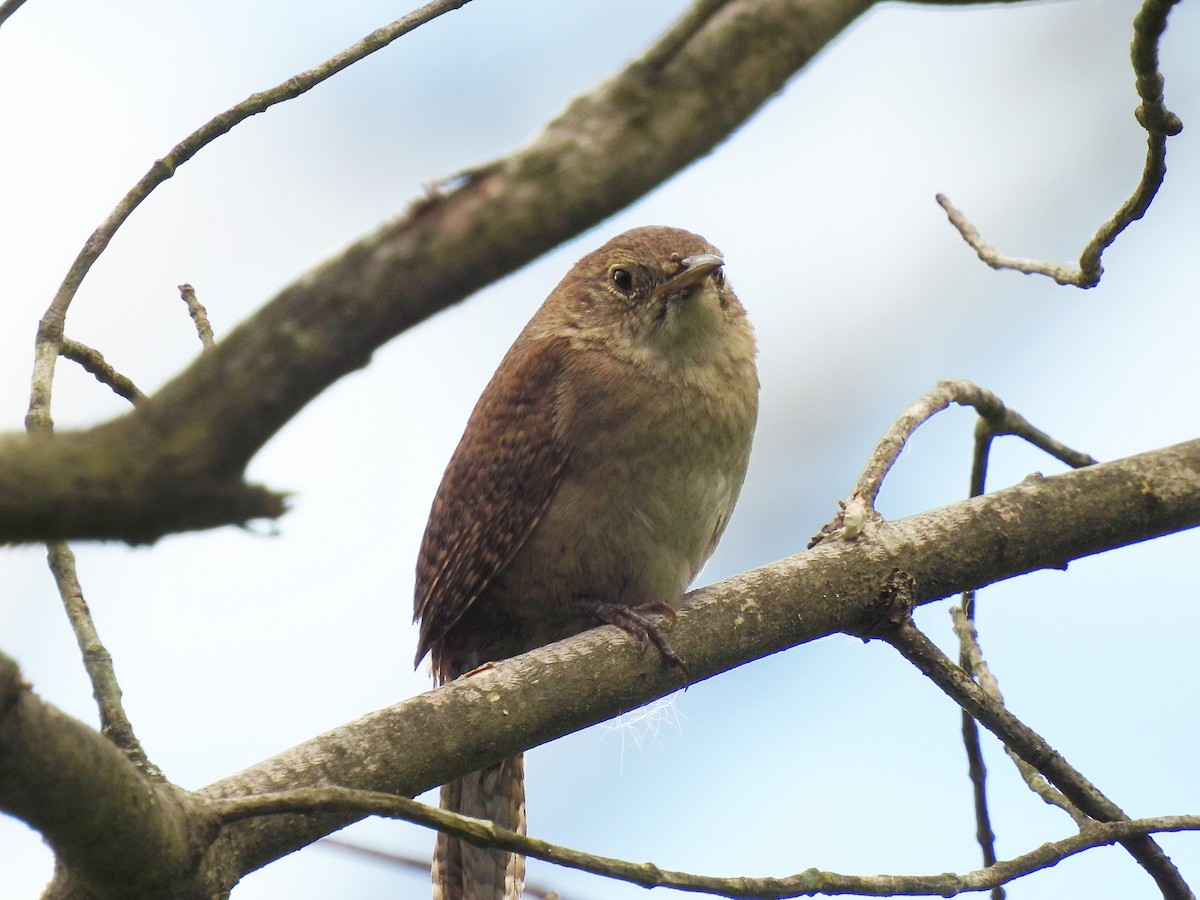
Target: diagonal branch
914	646
526	701
93	362
101	814
114	724
177	462
975	666
1041	523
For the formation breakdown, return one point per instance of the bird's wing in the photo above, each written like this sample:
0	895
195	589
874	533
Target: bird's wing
495	490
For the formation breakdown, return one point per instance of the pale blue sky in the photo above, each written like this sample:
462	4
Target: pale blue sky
232	646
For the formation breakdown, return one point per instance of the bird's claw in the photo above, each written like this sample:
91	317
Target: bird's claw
632	620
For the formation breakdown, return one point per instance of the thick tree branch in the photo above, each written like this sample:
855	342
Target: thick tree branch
122	834
176	462
526	701
1041	523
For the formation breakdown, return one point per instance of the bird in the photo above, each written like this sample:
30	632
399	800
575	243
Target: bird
595	476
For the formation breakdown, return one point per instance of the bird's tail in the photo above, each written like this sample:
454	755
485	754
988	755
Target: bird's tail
462	871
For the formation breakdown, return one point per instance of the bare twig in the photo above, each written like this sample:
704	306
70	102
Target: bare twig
977	772
999	418
1039	523
531	699
1063	274
971	657
976	768
97	661
977	667
114	724
416	865
93	362
199	314
899	630
803	884
178	462
50	329
1159	122
398	860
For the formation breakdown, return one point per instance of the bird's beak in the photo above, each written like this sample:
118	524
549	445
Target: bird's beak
695	270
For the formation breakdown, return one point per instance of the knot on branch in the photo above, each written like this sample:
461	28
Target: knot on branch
1157	119
893	606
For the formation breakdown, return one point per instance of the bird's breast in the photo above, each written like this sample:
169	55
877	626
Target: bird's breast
654	470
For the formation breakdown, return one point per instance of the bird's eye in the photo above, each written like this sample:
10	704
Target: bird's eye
623	280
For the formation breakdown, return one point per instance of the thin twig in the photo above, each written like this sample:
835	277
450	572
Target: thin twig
806	883
996	419
972	662
976	768
198	313
413	864
93	362
999	418
1159	122
901	633
1062	274
977	772
977	666
50	329
114	724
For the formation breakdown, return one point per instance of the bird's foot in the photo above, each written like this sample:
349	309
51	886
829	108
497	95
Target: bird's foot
632	620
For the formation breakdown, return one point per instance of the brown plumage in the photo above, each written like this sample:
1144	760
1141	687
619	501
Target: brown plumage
596	474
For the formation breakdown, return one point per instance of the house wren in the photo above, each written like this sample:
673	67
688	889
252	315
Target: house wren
595	476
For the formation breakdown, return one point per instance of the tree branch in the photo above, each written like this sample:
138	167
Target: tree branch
199	315
803	884
975	666
50	328
528	700
1040	523
994	418
114	724
93	362
903	635
1160	123
119	832
176	462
